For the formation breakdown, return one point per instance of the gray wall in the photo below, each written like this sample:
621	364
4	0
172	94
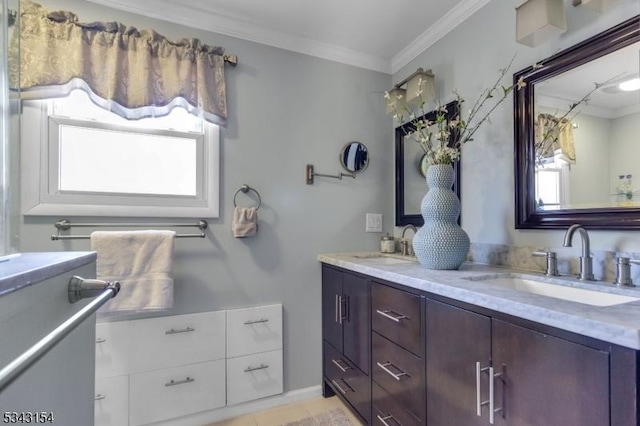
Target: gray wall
624	156
285	110
468	59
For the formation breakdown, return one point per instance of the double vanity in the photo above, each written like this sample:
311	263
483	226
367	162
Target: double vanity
480	345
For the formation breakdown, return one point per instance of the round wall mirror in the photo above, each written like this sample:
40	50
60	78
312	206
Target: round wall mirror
354	157
423	165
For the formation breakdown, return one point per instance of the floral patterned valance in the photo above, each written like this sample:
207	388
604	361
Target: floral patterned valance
133	73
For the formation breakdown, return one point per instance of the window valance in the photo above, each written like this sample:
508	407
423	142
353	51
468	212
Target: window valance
133	73
553	134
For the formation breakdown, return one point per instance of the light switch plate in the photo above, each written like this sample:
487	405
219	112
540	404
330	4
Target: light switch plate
374	222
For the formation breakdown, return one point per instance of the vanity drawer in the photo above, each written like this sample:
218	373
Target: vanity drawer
348	380
113	340
112	401
177	340
397	315
254	376
400	373
254	330
387	411
174	392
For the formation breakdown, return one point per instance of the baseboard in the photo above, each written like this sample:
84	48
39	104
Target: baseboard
224	413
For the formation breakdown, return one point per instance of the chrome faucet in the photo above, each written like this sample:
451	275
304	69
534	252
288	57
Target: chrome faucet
586	261
405	248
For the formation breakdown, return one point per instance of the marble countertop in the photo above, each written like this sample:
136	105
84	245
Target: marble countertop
618	324
24	269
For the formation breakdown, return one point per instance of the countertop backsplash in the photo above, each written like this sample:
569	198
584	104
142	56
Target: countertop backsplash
604	261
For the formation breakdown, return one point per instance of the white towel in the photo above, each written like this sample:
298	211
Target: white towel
245	222
142	261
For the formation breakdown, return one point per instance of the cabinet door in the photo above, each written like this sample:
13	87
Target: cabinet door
356	326
332	307
548	381
456	340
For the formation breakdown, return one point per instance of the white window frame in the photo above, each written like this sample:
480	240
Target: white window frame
39	174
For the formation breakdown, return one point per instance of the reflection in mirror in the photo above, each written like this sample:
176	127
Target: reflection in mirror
354	157
577	126
411	170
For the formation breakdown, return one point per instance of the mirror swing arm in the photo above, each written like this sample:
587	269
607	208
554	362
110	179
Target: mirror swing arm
311	174
527	215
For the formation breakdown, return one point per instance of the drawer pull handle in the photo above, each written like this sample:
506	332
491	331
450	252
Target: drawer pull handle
180	382
184	330
337	363
342	391
100	340
394	316
479	403
250	369
384	419
99	397
391	373
256	321
492	398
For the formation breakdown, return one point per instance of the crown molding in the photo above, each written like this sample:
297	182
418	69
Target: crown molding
448	22
233	27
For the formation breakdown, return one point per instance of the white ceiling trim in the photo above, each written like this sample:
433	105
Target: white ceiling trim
234	27
448	22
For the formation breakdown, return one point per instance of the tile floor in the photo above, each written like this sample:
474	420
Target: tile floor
290	413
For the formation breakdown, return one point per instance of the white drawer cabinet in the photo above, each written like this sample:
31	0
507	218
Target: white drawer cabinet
177	391
254	330
176	340
112	347
254	376
112	401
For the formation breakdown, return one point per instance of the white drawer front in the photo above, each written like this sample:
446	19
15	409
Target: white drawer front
254	376
254	330
112	401
112	348
177	340
195	388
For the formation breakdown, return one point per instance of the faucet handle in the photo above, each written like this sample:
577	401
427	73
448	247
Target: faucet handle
623	271
552	262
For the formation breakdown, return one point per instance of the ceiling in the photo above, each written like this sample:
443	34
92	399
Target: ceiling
374	34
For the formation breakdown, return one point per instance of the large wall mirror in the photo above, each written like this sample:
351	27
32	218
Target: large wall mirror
589	171
411	169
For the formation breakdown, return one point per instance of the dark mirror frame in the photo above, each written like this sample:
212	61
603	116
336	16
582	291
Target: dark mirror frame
526	215
402	218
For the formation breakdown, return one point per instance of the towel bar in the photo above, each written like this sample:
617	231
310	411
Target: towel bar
64	225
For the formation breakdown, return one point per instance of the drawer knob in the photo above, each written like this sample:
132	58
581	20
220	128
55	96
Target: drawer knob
99	397
250	369
180	382
250	322
396	376
394	316
184	330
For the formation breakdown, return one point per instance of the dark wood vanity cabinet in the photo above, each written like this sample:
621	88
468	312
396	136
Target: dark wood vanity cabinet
412	358
538	379
346	330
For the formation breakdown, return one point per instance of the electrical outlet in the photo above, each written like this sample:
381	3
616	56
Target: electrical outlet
373	222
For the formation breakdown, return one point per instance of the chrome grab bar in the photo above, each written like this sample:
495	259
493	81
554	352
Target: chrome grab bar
82	288
65	225
14	369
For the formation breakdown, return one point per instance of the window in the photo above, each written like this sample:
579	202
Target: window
89	161
552	182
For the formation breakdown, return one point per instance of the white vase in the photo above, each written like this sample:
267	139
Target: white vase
441	243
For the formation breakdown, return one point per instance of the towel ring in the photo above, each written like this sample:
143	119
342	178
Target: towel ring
244	189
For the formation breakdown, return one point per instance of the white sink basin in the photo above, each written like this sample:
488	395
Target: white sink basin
383	259
555	289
